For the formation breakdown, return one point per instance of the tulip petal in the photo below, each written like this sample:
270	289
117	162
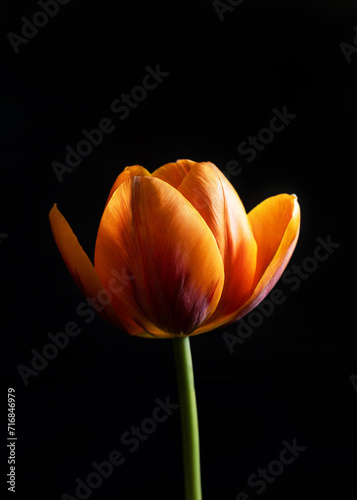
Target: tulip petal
273	220
174	173
152	232
81	268
275	223
124	175
276	226
219	204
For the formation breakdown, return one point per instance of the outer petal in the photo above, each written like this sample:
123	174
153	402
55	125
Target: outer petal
216	200
276	225
149	229
126	174
81	268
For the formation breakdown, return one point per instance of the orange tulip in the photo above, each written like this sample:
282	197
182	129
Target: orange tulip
190	257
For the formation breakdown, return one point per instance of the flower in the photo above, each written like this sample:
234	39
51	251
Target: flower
189	257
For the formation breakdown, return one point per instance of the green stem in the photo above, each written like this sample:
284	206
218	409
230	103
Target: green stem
189	419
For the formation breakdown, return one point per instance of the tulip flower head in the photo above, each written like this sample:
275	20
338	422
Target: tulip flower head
193	258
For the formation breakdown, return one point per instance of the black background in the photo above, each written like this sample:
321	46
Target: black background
291	377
